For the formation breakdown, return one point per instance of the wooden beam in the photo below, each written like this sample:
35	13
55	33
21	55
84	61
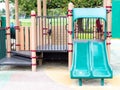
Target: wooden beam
39	24
108	6
104	3
44	7
44	22
26	38
39	7
8	44
17	25
70	43
22	38
33	40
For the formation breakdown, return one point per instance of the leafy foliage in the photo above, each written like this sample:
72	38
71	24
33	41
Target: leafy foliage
77	3
25	6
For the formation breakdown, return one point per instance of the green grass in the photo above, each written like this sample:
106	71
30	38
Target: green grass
55	22
85	36
23	22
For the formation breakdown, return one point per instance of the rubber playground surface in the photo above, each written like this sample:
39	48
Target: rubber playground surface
54	75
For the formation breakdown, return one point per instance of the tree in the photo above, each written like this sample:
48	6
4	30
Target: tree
77	3
25	6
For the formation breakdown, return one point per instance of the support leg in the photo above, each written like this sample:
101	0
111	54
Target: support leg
41	59
102	81
80	82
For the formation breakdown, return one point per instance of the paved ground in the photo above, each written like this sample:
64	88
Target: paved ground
55	76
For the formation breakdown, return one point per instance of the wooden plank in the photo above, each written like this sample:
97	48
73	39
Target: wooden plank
109	28
38	33
29	35
39	24
26	39
59	36
8	28
70	48
33	40
17	24
39	7
22	38
30	38
44	7
41	32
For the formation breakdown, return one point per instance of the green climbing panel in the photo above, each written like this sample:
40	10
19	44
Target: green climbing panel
2	39
116	18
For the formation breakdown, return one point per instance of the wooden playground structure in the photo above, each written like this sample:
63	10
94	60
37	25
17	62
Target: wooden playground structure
50	34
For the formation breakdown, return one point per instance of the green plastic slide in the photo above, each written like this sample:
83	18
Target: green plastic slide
81	66
90	60
100	65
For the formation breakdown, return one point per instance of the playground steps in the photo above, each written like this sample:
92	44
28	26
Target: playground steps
26	54
20	58
16	60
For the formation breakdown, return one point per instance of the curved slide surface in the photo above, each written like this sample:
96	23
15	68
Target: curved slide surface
90	60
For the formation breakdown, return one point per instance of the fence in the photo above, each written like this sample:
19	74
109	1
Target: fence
24	39
51	33
89	28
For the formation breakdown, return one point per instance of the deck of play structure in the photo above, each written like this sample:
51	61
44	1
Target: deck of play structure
82	37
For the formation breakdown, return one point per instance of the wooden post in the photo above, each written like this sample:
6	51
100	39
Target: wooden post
44	22
8	29
26	38
30	38
104	3
33	40
44	7
70	43
22	38
39	7
39	27
17	26
39	23
104	28
108	6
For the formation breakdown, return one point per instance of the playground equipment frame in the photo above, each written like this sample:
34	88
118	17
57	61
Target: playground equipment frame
106	4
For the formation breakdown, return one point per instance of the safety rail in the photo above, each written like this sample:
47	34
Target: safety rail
24	39
51	33
89	28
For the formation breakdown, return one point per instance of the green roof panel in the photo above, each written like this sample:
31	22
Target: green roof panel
89	13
